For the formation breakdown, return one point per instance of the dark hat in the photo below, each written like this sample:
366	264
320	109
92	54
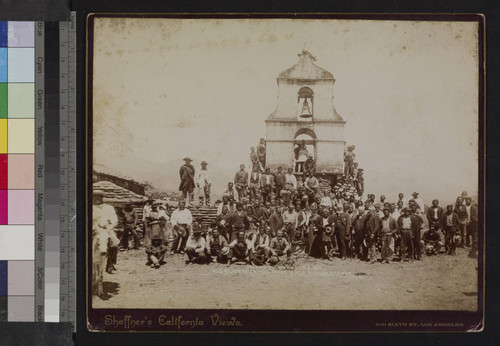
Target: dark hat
259	259
415	194
197	229
273	260
187	159
204	163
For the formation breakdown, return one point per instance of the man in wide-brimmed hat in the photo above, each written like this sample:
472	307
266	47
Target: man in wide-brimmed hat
418	201
196	247
203	183
186	173
156	250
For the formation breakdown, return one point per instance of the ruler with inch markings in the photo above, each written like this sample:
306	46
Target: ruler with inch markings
67	138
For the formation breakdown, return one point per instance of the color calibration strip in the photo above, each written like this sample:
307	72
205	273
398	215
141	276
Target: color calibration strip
17	170
38	171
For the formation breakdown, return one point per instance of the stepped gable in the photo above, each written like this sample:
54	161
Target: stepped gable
115	194
306	69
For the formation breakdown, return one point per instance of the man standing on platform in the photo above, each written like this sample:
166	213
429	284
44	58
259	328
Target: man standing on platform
254	158
186	173
279	180
254	186
309	165
267	185
203	182
241	182
261	152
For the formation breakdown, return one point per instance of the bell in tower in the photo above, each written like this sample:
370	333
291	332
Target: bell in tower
306	110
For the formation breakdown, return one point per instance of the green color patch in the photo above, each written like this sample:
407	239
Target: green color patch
3	100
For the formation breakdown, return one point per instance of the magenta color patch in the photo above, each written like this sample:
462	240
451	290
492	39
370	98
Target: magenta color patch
21	207
4	207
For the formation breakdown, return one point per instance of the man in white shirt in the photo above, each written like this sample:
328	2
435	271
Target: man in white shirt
241	249
196	247
395	213
181	221
104	220
325	200
418	201
290	178
290	220
203	183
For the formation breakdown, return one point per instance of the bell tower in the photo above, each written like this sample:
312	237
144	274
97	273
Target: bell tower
305	116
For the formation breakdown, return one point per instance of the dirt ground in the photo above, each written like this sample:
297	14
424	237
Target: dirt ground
440	282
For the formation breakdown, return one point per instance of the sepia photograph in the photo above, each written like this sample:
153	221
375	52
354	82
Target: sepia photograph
293	164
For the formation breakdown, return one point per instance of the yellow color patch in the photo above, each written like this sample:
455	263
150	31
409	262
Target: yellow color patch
21	136
3	136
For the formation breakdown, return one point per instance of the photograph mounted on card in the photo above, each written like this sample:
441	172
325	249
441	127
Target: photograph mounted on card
285	173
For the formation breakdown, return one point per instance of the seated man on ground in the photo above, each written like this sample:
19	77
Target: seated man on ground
279	247
217	247
261	248
432	241
156	252
240	249
195	247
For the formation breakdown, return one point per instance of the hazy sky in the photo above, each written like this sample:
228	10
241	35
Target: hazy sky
169	88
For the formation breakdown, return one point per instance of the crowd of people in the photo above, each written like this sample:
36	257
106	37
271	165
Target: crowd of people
255	229
265	217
